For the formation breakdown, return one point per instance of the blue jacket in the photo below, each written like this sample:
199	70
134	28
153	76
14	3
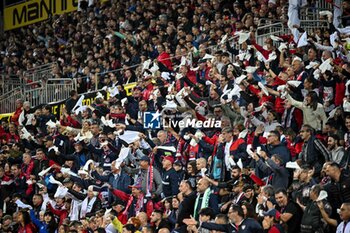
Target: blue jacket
42	226
170	182
122	183
279	174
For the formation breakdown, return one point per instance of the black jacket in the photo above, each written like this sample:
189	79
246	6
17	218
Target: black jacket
170	182
186	208
248	225
339	192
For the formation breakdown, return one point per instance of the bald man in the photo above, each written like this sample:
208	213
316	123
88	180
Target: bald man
205	198
344	213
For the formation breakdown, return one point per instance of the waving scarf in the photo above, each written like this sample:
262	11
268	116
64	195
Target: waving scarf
149	181
86	206
138	207
74	208
205	201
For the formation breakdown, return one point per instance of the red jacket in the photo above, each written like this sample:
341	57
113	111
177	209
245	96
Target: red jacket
164	58
339	93
62	214
16	115
11	138
27	170
125	197
147	92
191	75
263	51
29	228
70	122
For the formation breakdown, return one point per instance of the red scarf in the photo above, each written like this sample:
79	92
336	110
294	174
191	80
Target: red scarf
138	207
117	115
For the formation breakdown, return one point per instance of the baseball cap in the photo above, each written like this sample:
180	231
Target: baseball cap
169	158
136	186
145	158
178	163
273	213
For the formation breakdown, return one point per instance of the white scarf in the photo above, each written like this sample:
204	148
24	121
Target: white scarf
74	210
227	155
86	206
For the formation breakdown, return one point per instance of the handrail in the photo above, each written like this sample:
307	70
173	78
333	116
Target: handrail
310	25
15	90
323	5
8	102
278	28
267	30
38	68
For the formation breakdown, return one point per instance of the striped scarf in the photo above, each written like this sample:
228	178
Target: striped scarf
138	206
205	202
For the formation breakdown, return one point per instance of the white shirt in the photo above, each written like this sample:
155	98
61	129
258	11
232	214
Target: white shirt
340	228
227	155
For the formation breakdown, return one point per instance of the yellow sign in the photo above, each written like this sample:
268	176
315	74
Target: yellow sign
129	87
6	116
35	11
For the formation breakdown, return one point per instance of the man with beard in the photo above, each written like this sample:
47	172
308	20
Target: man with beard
158	221
337	151
236	175
313	152
205	198
291	213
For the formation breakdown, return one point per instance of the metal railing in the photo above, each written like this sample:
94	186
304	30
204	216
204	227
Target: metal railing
40	72
266	31
59	89
278	28
310	25
309	13
324	5
40	92
8	101
9	82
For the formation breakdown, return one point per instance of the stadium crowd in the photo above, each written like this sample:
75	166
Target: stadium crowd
274	159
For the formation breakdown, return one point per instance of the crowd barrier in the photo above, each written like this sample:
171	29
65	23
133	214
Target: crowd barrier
56	106
40	72
39	92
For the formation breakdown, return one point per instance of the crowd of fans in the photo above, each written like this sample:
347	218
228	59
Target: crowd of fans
278	161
